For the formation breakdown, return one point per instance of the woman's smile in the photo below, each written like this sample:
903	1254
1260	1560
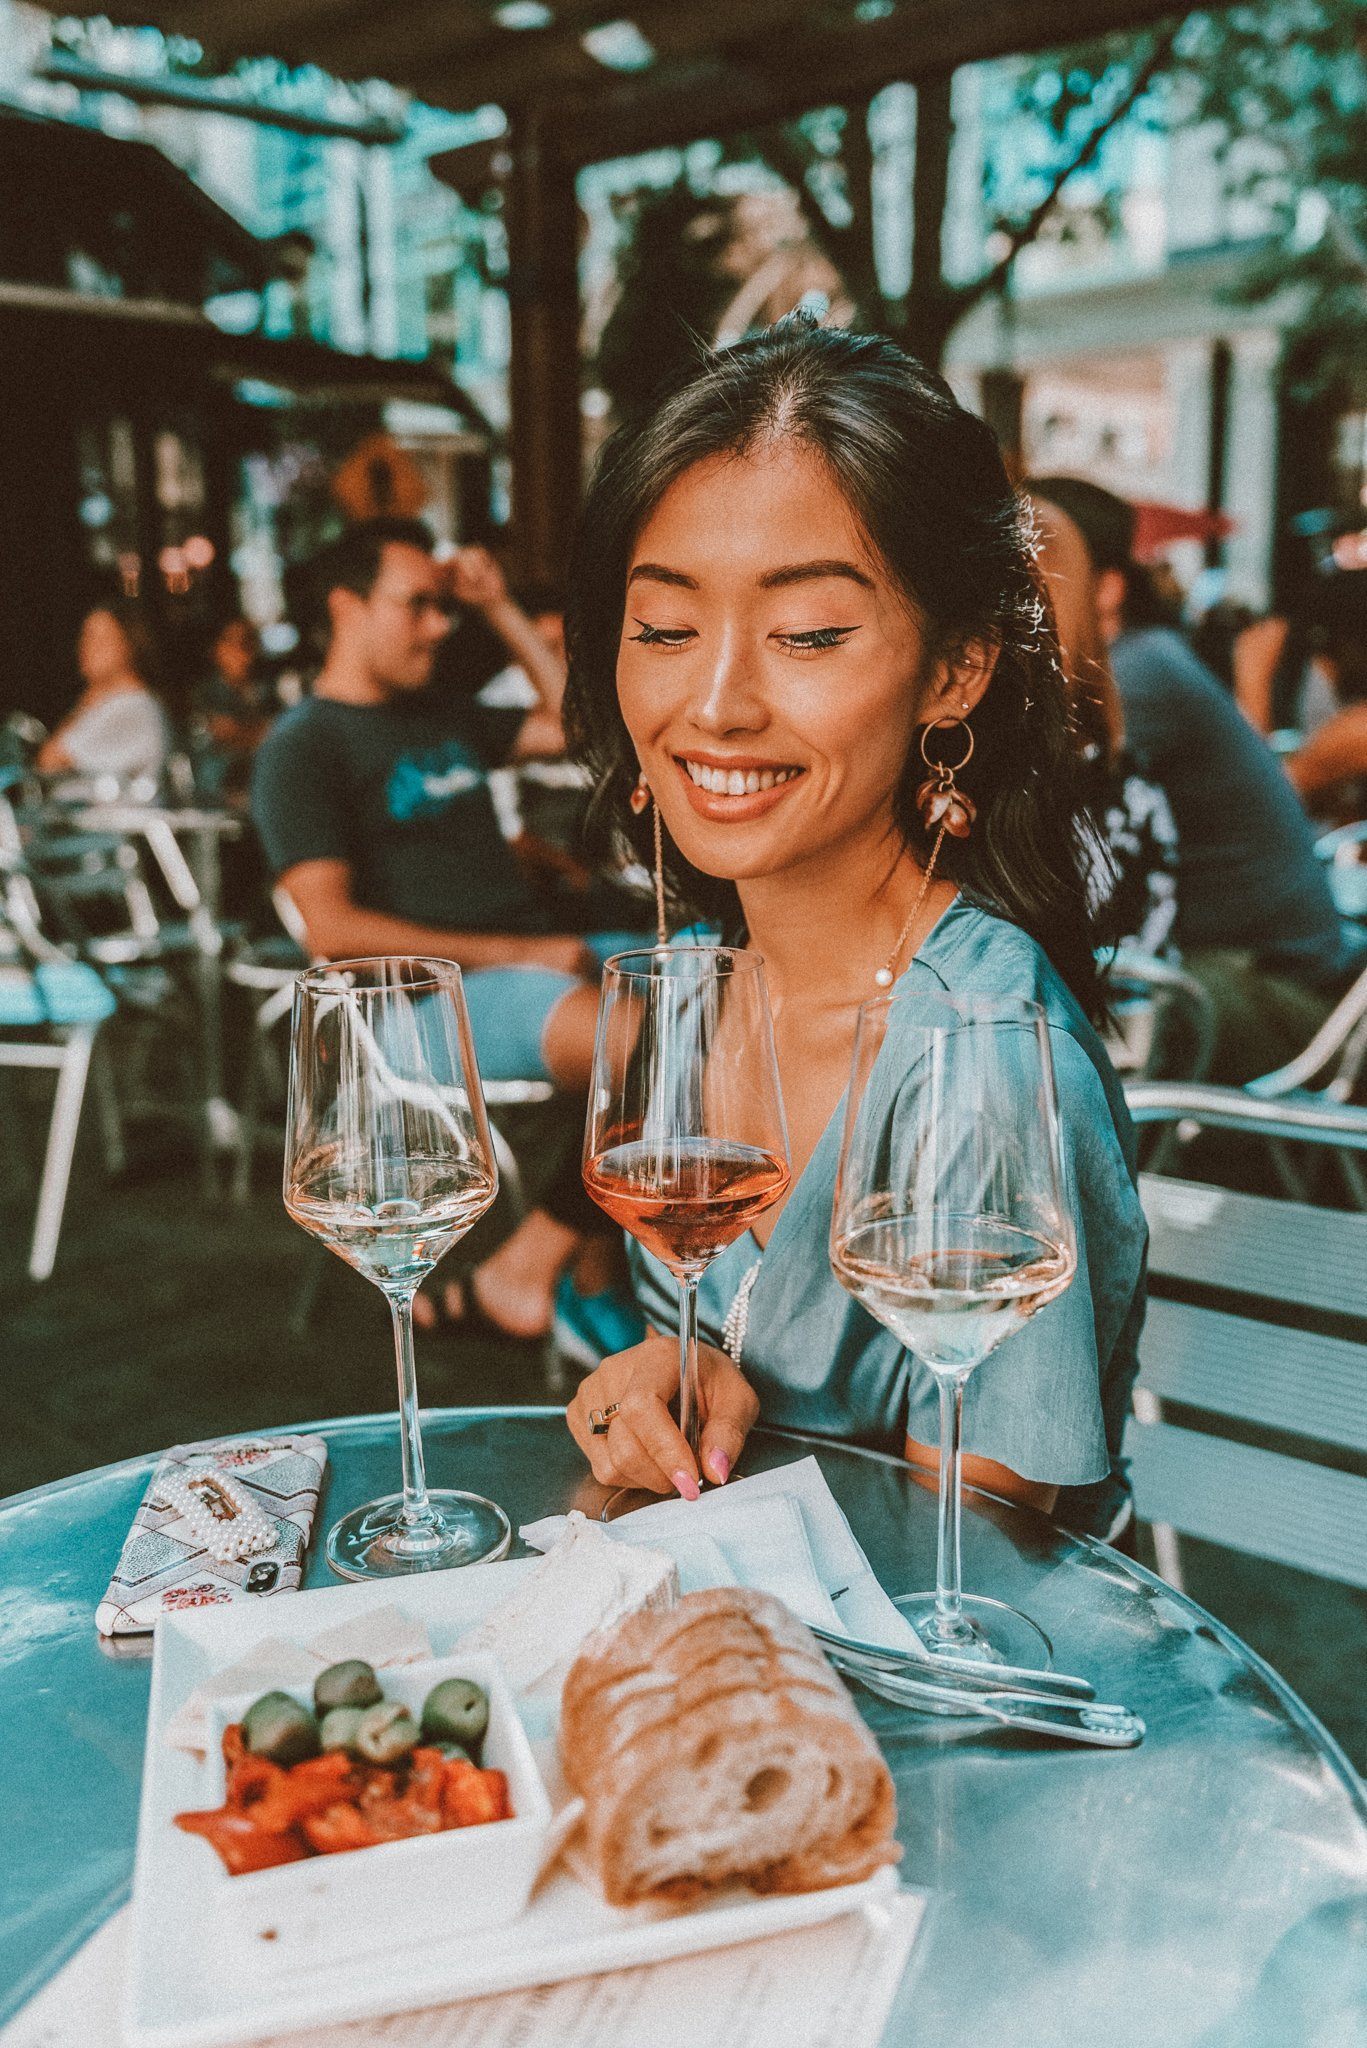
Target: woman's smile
734	788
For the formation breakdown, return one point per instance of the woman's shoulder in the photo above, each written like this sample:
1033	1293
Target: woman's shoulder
973	951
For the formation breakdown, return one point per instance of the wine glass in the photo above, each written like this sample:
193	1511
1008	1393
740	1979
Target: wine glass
389	1161
685	1142
951	1224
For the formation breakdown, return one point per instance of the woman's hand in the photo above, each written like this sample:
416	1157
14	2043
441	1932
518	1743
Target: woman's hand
643	1445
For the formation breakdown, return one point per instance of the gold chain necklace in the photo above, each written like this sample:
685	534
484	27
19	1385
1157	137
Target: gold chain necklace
887	973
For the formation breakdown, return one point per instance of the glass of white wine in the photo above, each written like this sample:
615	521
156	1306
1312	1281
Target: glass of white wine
388	1159
951	1224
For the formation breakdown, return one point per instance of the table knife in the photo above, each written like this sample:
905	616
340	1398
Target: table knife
990	1677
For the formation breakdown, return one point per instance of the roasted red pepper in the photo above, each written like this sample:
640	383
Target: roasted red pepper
242	1845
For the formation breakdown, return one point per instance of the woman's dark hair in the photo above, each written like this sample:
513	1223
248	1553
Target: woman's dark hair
926	479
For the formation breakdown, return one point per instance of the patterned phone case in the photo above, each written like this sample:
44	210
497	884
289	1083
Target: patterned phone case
164	1568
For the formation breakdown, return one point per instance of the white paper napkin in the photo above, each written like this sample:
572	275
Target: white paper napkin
826	1987
781	1532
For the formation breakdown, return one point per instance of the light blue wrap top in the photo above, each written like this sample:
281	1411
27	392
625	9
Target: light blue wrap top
1051	1401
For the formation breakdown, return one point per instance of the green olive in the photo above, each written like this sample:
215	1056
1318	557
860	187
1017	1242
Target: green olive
352	1684
339	1726
457	1710
279	1728
386	1733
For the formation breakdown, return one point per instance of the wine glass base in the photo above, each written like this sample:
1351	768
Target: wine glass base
628	1499
373	1543
993	1632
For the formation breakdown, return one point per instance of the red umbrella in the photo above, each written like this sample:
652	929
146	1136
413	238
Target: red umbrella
1158	526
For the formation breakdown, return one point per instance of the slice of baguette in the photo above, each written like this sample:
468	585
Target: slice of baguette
714	1744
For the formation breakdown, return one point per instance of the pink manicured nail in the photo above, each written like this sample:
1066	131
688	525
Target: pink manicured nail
687	1485
720	1466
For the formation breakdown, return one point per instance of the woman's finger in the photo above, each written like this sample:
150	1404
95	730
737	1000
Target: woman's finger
662	1441
616	1456
627	1461
731	1408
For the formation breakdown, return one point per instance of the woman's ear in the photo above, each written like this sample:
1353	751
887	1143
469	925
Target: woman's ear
957	685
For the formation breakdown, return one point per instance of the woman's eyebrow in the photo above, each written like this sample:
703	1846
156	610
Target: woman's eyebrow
655	572
811	572
776	579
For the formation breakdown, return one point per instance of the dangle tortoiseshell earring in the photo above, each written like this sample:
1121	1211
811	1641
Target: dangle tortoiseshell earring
642	795
944	808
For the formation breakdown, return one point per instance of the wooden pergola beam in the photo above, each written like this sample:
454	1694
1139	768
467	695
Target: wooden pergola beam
758	83
722	66
542	217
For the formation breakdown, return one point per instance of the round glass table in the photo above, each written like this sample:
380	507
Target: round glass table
1207	1890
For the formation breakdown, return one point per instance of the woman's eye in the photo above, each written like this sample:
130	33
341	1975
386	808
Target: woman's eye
660	636
819	638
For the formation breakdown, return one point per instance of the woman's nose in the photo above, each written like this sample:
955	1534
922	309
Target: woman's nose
731	696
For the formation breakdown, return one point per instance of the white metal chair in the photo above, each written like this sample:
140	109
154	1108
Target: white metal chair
1329	1071
51	1011
1145	990
1257	1319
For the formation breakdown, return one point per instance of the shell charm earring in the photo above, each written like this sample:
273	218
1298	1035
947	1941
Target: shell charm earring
944	809
941	803
640	796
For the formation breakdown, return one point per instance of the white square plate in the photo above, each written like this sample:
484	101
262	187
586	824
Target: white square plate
182	1989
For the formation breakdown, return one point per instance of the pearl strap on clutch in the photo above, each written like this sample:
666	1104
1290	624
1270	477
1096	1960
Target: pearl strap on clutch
222	1515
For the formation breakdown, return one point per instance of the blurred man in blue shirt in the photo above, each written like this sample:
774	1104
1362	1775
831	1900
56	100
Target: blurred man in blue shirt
1256	922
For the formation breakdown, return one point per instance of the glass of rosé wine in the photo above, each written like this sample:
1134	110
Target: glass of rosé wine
686	1141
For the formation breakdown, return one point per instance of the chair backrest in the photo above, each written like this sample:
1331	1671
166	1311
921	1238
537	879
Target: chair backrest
1146	992
292	918
1257	1329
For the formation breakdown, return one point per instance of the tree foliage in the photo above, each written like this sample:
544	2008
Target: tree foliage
1281	86
1282	90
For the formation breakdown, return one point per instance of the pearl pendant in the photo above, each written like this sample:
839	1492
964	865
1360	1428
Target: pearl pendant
884	977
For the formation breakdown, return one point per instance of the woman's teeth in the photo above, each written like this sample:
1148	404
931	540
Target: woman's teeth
735	782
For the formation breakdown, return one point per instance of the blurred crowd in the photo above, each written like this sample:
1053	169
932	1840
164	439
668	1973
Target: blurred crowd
402	778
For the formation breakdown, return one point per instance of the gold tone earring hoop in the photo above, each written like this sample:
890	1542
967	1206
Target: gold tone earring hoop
940	801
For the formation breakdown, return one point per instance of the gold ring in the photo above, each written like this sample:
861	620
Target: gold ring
599	1418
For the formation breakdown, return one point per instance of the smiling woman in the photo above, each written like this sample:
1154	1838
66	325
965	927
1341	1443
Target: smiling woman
806	612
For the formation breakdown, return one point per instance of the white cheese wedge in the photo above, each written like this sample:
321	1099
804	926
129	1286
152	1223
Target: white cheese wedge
584	1582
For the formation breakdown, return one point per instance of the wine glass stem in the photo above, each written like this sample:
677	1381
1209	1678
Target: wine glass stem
417	1511
690	1420
949	1617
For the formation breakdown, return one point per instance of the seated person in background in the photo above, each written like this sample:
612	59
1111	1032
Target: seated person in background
231	707
1330	769
116	727
1134	887
372	801
1255	923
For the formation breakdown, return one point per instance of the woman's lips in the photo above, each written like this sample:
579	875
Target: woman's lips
723	807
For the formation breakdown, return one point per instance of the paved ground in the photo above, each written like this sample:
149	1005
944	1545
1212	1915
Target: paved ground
167	1319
